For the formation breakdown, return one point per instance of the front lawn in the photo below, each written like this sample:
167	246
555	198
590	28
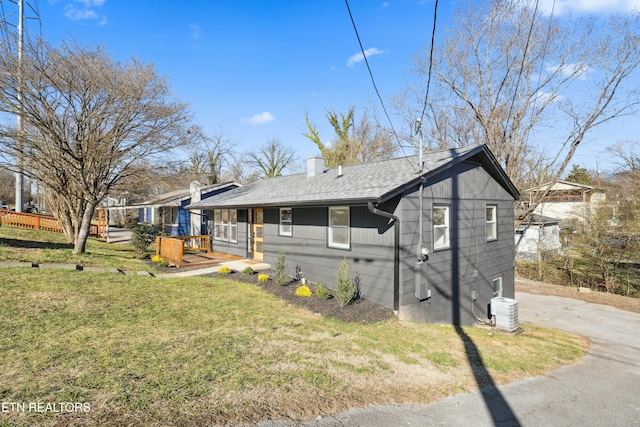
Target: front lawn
45	247
206	350
193	351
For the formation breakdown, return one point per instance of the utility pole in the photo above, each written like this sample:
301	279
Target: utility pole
4	23
19	124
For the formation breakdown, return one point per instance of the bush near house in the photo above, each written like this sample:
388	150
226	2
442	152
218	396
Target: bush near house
142	236
280	276
346	290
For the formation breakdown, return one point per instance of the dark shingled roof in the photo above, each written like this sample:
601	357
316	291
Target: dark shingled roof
366	182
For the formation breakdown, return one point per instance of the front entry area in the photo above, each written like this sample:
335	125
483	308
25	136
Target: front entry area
258	239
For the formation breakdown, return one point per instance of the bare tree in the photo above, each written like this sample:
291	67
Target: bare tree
208	155
272	158
7	187
506	74
355	142
88	120
628	162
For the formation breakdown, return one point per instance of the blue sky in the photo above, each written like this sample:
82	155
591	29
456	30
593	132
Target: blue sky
254	68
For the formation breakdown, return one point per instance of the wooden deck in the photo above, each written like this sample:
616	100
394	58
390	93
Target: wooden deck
202	259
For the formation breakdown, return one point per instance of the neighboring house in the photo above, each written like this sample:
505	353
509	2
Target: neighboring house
369	214
537	238
568	200
168	209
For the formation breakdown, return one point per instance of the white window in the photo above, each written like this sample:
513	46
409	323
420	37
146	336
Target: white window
497	287
233	225
171	215
339	234
286	222
440	227
225	225
492	224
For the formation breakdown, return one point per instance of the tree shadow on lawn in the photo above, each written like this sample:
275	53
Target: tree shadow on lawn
30	244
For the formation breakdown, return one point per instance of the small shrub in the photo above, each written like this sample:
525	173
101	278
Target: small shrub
262	278
247	270
303	291
163	263
322	292
142	236
281	277
224	270
156	258
345	288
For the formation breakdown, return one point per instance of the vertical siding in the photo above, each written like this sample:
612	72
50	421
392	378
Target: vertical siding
370	255
449	273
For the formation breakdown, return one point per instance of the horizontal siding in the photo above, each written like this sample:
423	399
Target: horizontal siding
370	255
449	273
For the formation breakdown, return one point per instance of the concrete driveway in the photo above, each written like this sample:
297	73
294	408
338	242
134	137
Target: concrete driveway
603	389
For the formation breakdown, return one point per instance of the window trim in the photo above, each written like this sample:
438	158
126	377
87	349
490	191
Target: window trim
283	223
223	226
331	227
446	226
493	224
497	280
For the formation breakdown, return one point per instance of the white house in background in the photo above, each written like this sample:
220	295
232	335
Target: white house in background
537	238
568	200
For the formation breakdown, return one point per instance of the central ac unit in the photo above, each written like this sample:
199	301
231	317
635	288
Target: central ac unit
505	311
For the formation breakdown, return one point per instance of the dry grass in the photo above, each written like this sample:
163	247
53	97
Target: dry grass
596	297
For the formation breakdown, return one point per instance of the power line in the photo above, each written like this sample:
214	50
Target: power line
373	81
433	38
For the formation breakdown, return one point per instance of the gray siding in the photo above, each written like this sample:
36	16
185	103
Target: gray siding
370	255
449	274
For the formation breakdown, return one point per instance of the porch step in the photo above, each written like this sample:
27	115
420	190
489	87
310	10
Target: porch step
240	265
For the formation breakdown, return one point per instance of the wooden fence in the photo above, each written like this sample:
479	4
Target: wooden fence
173	248
36	222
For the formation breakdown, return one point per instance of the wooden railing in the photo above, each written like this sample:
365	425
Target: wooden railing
36	222
173	248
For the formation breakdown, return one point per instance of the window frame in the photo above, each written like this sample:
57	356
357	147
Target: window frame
170	215
225	225
491	224
446	227
284	223
331	227
495	281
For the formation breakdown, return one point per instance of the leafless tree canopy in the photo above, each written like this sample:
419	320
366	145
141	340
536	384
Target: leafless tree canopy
209	156
272	158
88	123
508	75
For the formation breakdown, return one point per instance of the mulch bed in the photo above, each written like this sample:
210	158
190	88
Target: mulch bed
360	310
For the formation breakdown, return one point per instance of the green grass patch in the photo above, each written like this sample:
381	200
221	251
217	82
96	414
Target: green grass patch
151	350
202	351
45	247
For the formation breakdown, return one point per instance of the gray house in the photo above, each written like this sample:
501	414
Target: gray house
434	244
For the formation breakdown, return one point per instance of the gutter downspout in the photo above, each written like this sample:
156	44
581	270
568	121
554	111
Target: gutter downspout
396	252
